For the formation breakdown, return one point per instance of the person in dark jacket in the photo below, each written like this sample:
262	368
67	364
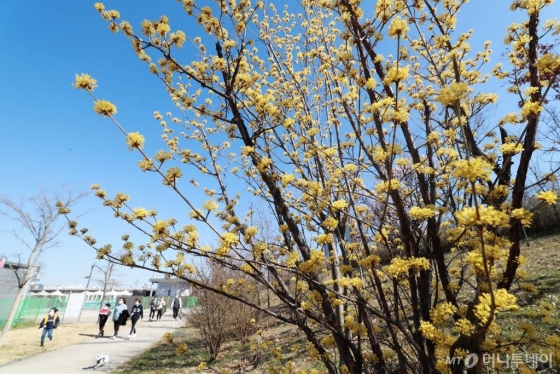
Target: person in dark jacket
177	305
153	308
104	314
48	324
120	315
136	314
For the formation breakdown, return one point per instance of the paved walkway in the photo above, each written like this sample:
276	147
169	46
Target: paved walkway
73	359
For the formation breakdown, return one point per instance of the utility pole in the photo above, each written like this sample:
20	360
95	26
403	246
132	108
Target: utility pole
90	273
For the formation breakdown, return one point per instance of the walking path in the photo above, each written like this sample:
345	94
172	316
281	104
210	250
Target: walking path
73	359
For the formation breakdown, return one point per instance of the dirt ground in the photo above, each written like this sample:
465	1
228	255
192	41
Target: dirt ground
21	343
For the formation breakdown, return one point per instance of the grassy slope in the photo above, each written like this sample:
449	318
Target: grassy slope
543	268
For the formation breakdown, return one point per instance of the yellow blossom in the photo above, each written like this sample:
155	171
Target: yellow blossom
105	108
549	63
229	238
398	27
178	38
210	205
531	108
316	261
488	216
134	140
292	259
472	169
511	148
339	204
396	74
503	301
550	197
141	212
464	327
162	29
85	82
419	213
400	266
330	223
523	215
452	94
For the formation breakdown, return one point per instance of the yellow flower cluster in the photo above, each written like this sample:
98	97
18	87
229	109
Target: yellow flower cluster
511	148
523	215
488	216
391	185
464	326
550	197
339	204
350	282
398	28
85	82
549	63
229	238
315	261
442	313
503	301
292	259
472	169
104	108
424	213
330	223
531	108
141	213
400	266
354	327
210	205
324	239
396	74
134	140
453	93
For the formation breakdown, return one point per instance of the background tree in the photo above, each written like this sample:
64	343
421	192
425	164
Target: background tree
316	112
107	279
35	220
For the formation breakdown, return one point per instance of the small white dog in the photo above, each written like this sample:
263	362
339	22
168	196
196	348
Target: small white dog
100	360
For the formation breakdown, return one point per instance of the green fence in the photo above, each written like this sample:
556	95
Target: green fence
31	309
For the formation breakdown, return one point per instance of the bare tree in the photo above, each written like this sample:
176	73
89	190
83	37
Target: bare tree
105	281
35	220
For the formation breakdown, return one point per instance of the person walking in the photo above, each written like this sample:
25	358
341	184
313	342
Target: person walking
177	305
48	324
153	308
137	313
120	315
104	314
160	308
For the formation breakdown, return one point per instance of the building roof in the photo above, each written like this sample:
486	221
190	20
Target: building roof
163	280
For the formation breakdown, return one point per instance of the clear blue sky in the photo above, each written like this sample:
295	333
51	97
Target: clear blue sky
50	137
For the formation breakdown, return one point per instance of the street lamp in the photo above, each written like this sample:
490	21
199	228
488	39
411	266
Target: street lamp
90	273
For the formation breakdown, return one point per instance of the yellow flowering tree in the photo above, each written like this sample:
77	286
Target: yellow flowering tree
323	110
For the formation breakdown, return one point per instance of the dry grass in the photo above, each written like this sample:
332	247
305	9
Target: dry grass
22	343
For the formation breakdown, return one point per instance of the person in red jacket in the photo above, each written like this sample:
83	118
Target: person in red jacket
104	314
48	324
